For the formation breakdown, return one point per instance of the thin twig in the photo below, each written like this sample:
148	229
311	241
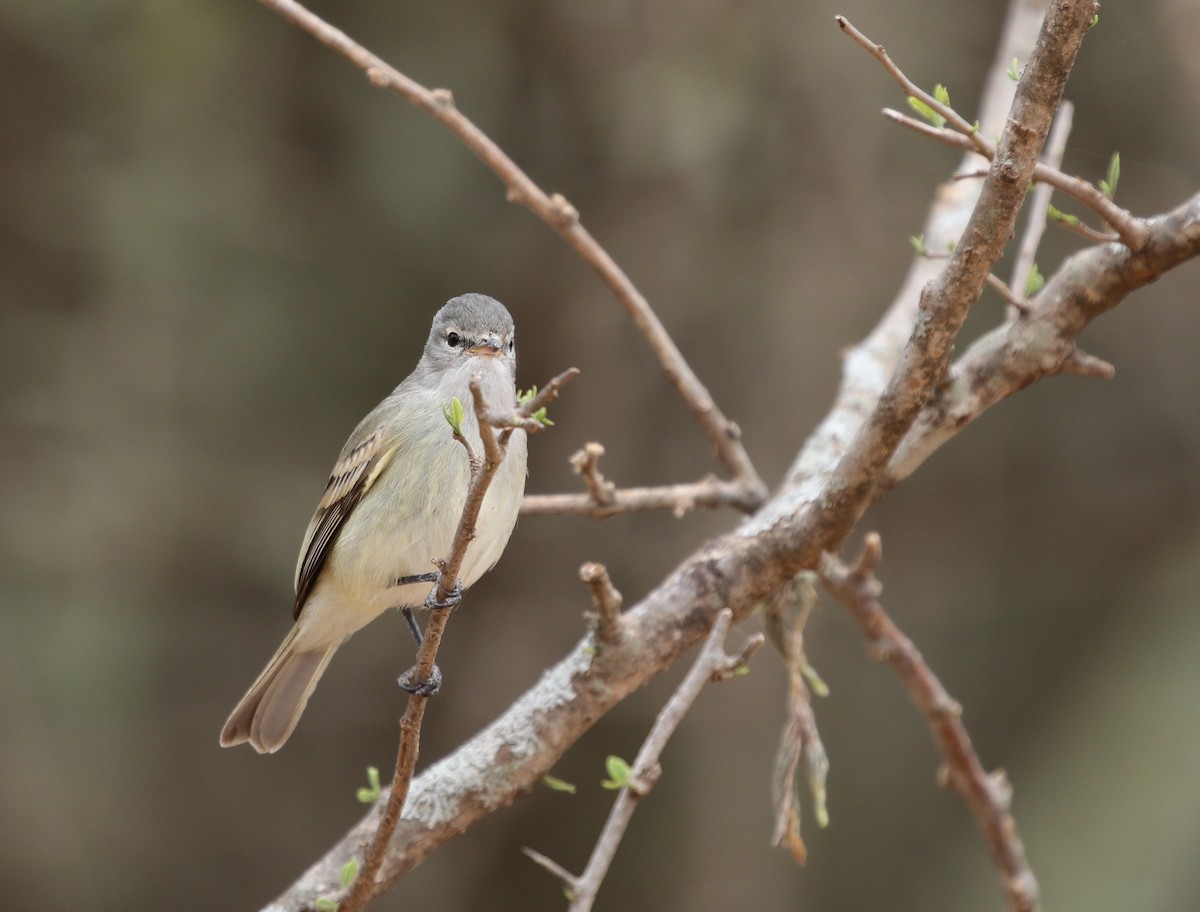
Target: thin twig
607	601
1131	231
1010	296
365	886
712	664
987	796
911	90
1039	202
560	215
709	493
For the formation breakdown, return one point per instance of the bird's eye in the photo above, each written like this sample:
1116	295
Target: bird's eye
453	339
512	343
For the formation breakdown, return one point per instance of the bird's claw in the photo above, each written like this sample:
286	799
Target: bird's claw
453	597
410	682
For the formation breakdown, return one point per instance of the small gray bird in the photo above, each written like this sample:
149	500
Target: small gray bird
391	506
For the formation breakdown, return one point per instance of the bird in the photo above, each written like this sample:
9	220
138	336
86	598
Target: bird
391	507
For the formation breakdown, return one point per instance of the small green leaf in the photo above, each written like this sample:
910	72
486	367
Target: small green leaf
974	127
1108	186
942	94
1014	70
925	111
1056	215
619	774
455	413
370	794
1095	21
540	417
325	904
815	683
1035	281
348	872
918	244
526	397
558	785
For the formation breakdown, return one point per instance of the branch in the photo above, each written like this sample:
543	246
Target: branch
1044	342
712	664
912	90
1130	230
988	796
709	493
1035	221
365	886
560	215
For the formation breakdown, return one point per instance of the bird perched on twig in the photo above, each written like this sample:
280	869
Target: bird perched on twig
391	506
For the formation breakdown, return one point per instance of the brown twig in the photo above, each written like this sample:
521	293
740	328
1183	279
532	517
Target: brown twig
607	601
712	664
1010	296
987	796
560	215
1131	231
495	446
911	90
709	493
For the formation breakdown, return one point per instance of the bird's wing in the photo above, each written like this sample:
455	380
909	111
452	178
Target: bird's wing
349	482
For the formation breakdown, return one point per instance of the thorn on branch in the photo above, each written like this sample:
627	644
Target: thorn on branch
607	601
443	99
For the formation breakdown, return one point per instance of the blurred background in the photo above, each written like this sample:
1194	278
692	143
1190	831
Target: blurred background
219	247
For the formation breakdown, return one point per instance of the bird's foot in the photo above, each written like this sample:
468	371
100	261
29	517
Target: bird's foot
411	682
453	597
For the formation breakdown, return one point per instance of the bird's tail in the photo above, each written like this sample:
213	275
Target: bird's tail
272	706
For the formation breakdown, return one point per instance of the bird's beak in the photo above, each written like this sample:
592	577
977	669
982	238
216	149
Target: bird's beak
489	346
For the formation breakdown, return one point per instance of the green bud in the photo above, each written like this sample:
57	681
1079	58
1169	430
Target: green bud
455	414
619	773
558	785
